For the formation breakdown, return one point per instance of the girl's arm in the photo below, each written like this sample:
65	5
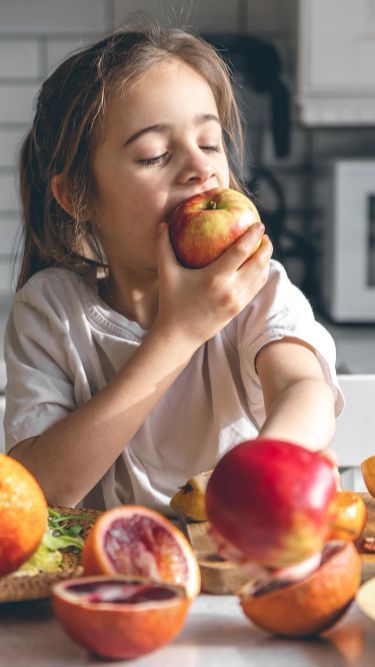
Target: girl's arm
71	456
298	401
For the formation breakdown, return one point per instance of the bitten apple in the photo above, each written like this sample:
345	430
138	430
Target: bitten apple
272	502
202	227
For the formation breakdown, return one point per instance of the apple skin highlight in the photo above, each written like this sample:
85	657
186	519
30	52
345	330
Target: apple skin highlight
202	227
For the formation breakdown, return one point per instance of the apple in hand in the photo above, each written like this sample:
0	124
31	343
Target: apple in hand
271	502
202	227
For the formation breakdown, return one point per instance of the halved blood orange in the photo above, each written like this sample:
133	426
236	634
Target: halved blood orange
350	516
311	605
120	617
137	541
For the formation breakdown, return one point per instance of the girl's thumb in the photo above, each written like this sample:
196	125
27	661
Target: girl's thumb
165	250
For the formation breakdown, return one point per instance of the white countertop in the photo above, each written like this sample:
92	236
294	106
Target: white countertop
216	633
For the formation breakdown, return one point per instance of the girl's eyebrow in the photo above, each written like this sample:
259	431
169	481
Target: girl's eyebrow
200	119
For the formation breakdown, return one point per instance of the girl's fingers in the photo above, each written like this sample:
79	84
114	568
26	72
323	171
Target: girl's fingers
241	250
260	259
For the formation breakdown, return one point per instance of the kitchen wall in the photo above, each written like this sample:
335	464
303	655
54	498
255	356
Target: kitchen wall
35	35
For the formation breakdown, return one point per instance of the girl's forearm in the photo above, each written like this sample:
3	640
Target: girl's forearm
71	457
302	413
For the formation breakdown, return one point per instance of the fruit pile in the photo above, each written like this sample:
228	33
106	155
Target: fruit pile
272	505
275	510
140	578
144	573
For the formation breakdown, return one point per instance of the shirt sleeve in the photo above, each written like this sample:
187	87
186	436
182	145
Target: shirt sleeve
40	389
278	311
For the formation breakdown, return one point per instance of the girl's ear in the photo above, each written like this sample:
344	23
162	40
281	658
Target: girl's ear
61	193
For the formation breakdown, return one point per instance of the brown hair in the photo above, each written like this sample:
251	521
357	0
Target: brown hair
70	106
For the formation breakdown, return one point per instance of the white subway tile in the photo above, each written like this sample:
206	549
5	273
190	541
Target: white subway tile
19	58
17	102
205	16
9	235
8	192
59	49
56	16
10	141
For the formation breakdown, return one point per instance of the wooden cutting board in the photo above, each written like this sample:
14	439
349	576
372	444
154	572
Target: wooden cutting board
223	577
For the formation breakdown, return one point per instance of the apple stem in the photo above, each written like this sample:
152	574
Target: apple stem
211	205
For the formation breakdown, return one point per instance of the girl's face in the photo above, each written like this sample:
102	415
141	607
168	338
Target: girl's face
160	143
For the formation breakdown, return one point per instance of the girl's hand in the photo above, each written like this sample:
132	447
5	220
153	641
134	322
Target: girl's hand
198	303
331	456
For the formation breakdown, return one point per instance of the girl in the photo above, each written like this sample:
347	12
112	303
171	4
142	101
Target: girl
129	374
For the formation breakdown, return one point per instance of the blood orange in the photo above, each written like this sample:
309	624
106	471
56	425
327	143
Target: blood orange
311	605
120	617
137	541
23	514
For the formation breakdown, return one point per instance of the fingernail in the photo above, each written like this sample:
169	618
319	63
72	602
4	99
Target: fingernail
260	227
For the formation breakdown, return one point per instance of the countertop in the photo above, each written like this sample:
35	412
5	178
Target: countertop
216	632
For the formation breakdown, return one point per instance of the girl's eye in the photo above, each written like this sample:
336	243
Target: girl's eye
150	161
209	148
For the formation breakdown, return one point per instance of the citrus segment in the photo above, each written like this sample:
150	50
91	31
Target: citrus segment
134	540
23	514
120	617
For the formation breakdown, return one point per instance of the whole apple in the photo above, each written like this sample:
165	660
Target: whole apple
272	502
202	227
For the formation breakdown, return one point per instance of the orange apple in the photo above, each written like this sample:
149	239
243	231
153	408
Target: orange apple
351	517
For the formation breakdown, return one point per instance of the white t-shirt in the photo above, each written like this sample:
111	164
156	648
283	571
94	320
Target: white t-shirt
63	344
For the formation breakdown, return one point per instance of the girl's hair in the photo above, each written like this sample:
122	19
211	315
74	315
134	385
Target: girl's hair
70	108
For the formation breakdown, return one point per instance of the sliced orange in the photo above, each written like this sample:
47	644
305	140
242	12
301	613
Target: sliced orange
368	474
120	617
137	541
309	606
23	514
350	516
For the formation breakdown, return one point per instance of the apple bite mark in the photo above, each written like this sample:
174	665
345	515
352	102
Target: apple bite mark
204	226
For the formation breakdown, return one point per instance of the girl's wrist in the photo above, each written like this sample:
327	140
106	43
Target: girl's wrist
176	338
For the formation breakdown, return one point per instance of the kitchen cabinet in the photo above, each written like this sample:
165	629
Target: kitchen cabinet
336	55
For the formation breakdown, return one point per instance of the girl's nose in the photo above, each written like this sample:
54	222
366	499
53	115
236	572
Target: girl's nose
196	168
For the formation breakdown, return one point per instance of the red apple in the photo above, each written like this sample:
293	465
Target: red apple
272	501
202	227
